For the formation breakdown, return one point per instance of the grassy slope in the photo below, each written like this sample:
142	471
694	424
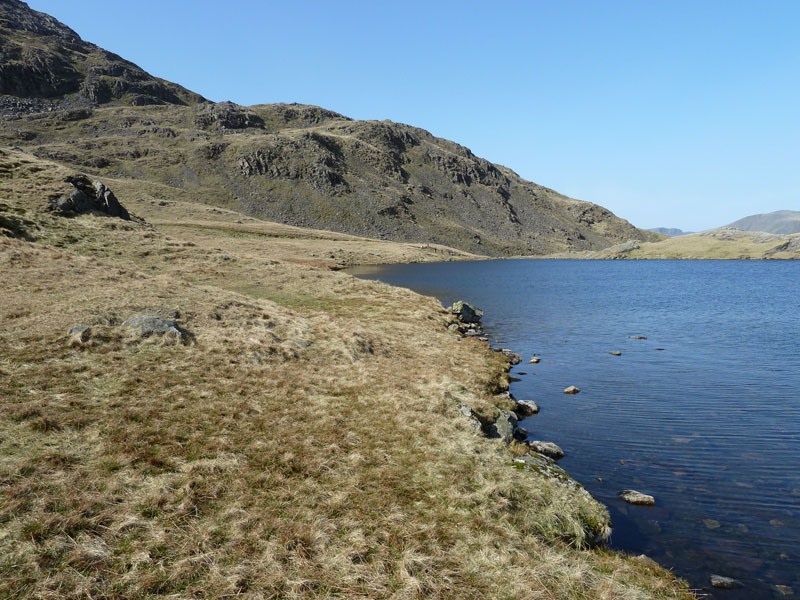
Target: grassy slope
285	452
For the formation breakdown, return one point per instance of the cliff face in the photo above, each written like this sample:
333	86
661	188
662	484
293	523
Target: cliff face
72	102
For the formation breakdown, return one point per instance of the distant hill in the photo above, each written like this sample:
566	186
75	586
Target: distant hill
722	243
71	102
781	221
670	231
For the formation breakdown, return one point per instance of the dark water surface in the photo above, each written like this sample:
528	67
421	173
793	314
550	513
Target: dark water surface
704	414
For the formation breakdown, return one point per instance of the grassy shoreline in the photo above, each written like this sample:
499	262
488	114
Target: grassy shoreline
304	441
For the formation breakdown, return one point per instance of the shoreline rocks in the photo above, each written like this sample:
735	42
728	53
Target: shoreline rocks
548	449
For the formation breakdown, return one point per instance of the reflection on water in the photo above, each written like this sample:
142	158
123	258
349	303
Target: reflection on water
704	414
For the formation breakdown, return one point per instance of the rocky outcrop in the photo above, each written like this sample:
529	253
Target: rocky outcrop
226	115
87	195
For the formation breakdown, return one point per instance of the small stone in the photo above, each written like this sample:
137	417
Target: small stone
725	583
637	498
548	449
78	335
637	337
615	353
572	390
711	523
534	360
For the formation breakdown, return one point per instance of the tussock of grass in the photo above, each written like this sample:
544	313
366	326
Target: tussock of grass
292	450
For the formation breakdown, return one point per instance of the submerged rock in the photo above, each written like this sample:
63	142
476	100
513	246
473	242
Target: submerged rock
637	337
572	390
725	583
534	360
638	498
615	353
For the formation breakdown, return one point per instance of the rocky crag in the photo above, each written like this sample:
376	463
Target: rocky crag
69	101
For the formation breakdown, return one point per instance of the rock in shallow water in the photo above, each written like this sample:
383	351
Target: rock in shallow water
725	583
638	498
526	408
572	390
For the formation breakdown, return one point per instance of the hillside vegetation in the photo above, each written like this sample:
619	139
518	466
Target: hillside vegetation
275	447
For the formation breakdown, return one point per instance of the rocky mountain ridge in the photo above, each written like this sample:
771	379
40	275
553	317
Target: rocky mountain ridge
45	65
76	104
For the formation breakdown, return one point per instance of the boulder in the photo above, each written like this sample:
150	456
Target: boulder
147	325
504	426
526	408
466	312
548	449
638	498
725	583
615	353
87	195
637	337
534	360
106	201
572	390
73	202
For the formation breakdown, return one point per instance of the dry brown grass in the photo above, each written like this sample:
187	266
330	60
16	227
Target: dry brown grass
305	443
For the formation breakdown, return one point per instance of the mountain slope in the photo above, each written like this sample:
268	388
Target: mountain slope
43	59
780	221
299	165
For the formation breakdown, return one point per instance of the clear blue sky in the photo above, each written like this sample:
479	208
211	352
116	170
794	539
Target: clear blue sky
671	113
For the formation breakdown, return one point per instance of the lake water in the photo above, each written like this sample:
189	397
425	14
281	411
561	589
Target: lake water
704	414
